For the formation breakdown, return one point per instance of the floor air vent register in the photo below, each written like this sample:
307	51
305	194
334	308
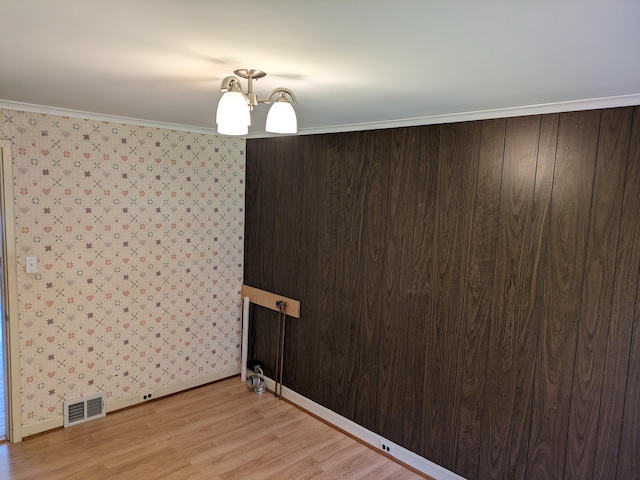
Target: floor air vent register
83	409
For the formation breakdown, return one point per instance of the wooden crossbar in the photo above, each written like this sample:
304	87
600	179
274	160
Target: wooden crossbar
268	300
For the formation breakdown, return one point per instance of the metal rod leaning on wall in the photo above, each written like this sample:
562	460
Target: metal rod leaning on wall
282	321
245	338
271	301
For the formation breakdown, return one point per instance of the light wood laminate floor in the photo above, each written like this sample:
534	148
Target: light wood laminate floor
219	431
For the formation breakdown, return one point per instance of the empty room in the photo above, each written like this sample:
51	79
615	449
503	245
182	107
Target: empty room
277	239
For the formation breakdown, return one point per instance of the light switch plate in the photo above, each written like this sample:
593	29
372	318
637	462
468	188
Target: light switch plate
32	265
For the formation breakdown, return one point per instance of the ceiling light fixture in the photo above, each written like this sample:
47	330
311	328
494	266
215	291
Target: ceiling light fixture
234	109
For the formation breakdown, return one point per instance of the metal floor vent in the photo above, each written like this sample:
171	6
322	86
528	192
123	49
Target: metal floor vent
83	409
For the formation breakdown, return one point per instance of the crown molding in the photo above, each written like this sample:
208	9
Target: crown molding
518	111
29	107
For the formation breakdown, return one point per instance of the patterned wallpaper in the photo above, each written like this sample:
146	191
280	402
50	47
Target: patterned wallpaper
139	237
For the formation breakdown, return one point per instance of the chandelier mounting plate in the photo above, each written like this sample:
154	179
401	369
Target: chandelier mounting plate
250	73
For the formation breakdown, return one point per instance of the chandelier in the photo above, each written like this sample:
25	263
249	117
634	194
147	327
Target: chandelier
234	109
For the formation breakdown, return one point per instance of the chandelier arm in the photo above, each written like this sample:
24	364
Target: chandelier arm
231	84
280	90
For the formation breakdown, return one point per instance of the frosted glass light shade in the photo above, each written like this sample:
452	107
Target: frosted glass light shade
233	116
281	117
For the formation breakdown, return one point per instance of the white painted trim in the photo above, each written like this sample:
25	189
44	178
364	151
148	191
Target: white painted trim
101	117
14	418
120	403
629	100
42	426
403	455
518	111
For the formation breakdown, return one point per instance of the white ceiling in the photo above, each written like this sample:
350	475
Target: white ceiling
353	64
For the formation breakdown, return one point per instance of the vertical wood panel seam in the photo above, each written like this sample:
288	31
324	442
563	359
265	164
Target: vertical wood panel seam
542	273
383	334
626	383
463	276
492	303
633	322
611	297
579	312
621	250
432	265
436	299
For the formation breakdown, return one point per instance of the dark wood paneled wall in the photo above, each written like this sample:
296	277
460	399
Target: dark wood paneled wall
469	291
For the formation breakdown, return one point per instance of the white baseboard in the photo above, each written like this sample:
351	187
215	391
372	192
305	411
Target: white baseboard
42	426
120	403
403	455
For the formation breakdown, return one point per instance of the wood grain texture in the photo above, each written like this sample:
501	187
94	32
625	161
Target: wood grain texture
272	263
517	361
617	447
259	245
534	265
457	177
514	269
217	432
477	296
602	244
288	254
629	452
363	186
259	225
321	204
420	275
402	339
566	245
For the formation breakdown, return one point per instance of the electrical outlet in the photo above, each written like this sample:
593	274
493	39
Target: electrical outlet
145	397
387	447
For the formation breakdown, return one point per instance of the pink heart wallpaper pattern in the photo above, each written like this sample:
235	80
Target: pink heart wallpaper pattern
138	232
